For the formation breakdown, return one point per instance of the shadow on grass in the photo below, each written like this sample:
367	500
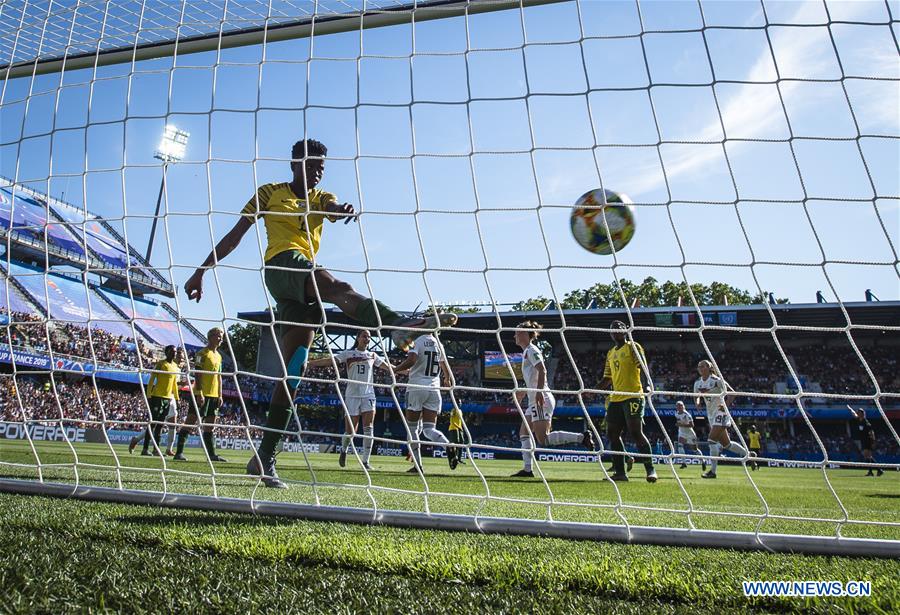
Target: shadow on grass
884	496
186	518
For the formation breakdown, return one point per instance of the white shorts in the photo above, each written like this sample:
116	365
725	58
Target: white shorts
173	412
534	413
358	405
423	399
719	418
688	435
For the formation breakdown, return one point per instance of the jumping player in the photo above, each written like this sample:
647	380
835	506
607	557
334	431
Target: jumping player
428	367
541	403
294	213
687	437
359	395
208	393
623	374
717	413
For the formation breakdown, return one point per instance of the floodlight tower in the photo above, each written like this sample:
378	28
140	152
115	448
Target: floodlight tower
171	149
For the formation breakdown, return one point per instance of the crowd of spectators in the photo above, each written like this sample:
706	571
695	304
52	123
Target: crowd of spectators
30	332
757	370
82	404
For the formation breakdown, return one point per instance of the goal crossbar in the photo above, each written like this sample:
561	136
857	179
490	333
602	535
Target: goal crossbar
266	33
632	534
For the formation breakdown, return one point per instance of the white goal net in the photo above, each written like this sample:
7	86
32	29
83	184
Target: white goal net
758	141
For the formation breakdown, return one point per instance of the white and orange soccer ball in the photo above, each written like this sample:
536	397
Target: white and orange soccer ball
589	228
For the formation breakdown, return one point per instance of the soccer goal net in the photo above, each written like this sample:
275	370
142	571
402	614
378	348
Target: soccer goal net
757	140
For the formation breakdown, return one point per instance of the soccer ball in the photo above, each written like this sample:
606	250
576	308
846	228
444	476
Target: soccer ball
588	226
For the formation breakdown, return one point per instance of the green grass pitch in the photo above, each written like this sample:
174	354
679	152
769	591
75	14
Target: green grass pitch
60	555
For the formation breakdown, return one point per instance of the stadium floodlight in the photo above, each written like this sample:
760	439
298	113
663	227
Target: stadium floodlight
171	148
173	144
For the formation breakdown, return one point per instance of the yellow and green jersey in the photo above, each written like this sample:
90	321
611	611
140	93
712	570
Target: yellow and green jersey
456	420
164	380
292	223
624	368
208	364
753	439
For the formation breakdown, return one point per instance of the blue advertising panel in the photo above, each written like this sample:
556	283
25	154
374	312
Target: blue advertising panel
96	236
67	299
11	299
28	218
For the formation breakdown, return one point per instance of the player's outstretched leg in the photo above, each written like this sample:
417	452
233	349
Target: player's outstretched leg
680	448
368	312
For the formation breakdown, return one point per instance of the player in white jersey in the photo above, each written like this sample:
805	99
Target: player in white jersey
429	370
714	389
687	437
538	415
359	396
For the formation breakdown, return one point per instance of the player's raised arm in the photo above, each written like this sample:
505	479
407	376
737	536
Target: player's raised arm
194	285
408	362
336	211
323	362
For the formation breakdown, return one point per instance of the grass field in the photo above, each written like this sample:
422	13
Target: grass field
62	555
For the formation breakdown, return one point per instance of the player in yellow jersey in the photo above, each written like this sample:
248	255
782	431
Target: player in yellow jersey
208	395
624	375
456	432
294	213
754	444
163	385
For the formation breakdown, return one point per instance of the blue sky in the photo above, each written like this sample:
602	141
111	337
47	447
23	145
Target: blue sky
493	180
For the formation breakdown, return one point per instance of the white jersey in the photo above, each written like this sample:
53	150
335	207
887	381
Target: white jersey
360	367
684	420
426	370
531	359
714	386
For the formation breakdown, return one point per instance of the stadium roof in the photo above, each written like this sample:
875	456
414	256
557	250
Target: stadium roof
47	231
667	323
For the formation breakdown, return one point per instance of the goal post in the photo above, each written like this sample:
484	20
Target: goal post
718	118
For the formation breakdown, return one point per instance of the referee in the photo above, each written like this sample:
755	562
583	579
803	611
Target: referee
864	436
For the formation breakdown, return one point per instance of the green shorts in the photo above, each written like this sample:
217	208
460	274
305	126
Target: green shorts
159	408
288	287
209	407
632	407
